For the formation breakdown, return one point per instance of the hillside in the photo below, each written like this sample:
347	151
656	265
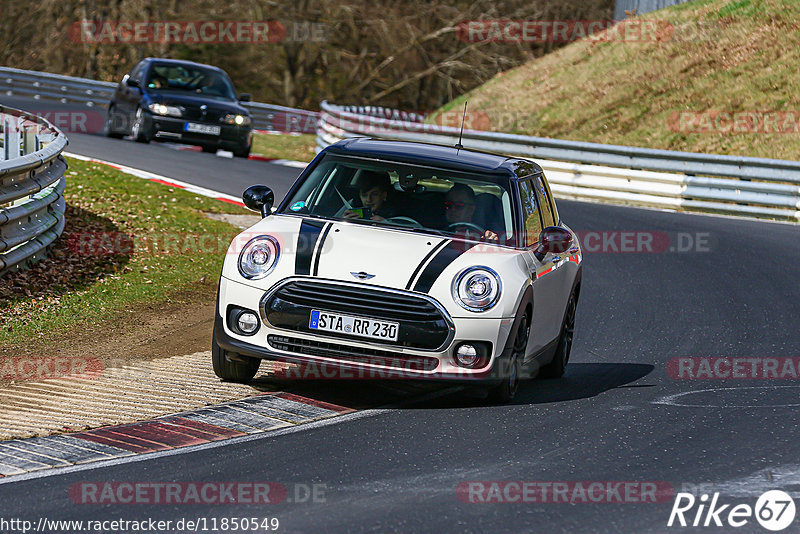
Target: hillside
721	77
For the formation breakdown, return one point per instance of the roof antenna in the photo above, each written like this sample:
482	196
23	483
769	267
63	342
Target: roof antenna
459	146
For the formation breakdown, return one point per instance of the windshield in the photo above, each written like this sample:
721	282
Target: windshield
190	80
407	196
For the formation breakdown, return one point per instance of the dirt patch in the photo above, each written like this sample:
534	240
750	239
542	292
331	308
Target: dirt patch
180	326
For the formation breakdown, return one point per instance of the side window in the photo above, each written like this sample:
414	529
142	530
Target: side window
544	201
137	71
530	213
550	199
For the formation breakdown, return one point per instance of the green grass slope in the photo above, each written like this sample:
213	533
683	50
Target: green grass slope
714	61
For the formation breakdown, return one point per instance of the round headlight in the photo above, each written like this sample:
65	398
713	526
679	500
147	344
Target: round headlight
247	322
477	288
259	257
466	355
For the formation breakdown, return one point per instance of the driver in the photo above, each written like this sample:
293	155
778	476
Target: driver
373	191
459	207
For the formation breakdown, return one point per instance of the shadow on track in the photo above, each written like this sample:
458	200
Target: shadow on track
583	380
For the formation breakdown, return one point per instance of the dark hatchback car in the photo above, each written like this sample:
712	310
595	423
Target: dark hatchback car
183	102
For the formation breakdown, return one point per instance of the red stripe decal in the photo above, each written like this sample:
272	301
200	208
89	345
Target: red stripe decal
113	433
313	402
162	433
545	271
157	435
204	427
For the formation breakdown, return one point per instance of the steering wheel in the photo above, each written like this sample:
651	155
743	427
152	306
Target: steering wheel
410	222
468	225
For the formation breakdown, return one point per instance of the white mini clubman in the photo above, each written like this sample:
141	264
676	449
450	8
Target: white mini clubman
397	259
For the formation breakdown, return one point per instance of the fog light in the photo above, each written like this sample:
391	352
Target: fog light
247	322
466	355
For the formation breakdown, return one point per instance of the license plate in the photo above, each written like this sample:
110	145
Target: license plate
201	128
354	326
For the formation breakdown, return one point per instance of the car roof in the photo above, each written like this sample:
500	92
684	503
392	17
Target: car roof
464	159
182	62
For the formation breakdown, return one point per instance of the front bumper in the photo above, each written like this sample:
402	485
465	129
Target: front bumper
231	137
376	360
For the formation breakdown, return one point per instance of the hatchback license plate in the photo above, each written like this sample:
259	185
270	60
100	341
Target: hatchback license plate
202	128
354	326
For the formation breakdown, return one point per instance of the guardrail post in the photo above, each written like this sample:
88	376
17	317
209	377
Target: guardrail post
10	137
30	139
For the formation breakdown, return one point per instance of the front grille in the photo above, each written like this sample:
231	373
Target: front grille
352	354
194	113
422	324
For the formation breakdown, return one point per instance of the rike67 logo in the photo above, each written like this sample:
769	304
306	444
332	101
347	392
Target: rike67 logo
774	510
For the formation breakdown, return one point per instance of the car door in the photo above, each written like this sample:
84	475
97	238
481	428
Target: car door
548	282
557	267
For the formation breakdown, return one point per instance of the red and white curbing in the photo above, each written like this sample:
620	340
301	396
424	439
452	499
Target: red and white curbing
254	415
164	180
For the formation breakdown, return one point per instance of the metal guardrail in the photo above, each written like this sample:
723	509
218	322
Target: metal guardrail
69	89
755	187
31	187
640	7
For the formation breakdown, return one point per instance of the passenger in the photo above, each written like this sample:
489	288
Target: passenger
373	191
459	207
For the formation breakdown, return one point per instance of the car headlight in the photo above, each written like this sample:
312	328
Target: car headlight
238	120
259	257
477	288
163	109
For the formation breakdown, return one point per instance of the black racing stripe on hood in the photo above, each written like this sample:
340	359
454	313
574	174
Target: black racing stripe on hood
433	251
321	244
306	243
439	263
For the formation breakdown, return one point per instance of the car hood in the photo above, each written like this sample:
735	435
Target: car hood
370	255
195	101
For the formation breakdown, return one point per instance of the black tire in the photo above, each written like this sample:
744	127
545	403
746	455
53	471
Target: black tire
558	366
209	149
109	125
512	369
243	153
232	370
137	128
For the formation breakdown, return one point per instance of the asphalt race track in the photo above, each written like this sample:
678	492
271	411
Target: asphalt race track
618	415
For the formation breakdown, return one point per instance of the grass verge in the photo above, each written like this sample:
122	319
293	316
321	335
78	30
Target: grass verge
294	147
128	244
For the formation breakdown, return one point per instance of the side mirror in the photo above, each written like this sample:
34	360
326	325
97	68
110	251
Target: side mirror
133	82
259	198
245	97
552	239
